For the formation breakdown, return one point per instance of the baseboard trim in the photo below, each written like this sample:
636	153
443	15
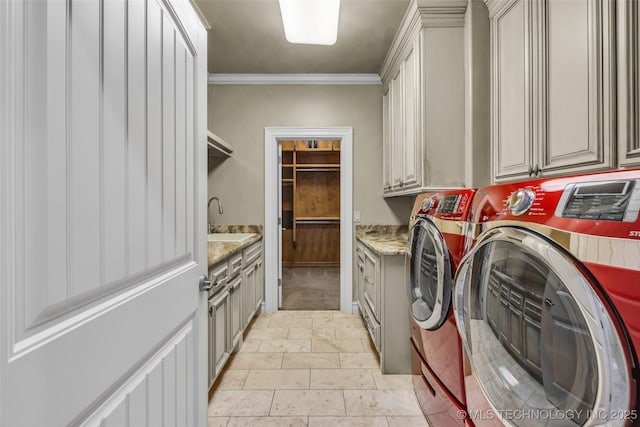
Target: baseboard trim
355	308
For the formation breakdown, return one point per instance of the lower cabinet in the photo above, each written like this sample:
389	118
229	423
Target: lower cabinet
384	306
233	304
219	350
253	281
235	312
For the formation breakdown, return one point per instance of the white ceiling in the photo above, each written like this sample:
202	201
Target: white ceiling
246	36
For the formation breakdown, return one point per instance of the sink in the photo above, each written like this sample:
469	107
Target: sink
229	237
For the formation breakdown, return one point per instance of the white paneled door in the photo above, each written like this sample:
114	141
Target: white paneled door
102	202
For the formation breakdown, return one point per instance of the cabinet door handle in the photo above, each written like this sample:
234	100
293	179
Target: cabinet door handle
538	171
205	284
530	170
210	311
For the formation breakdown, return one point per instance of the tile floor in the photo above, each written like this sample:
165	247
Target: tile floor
310	368
310	288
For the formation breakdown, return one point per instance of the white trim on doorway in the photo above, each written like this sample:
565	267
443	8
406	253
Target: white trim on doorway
295	79
271	229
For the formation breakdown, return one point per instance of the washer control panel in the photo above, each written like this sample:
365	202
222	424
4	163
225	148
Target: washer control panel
602	200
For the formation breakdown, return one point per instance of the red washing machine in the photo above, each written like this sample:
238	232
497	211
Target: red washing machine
435	247
547	302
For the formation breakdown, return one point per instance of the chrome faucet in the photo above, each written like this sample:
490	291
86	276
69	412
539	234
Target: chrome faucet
220	211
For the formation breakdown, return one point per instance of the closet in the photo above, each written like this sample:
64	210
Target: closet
310	203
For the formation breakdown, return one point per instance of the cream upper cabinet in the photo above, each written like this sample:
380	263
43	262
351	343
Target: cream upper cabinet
386	137
553	93
424	124
395	90
628	20
510	98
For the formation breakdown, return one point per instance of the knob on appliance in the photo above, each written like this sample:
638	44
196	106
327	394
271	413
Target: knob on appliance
427	204
520	201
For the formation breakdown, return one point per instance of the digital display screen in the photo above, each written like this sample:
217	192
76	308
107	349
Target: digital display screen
602	188
600	200
448	204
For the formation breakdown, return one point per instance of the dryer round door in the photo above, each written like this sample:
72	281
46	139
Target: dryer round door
543	345
429	277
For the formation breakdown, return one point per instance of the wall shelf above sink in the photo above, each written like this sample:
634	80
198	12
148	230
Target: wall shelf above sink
218	147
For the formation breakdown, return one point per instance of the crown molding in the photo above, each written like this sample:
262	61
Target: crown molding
294	79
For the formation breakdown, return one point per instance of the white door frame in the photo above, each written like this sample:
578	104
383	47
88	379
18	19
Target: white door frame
271	228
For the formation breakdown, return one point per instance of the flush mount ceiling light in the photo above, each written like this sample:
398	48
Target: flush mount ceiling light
310	21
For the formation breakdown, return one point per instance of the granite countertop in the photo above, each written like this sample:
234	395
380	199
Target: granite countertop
218	251
384	239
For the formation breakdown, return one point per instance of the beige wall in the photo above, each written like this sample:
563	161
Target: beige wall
239	115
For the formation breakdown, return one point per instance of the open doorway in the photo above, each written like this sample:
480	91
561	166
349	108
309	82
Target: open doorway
310	219
273	204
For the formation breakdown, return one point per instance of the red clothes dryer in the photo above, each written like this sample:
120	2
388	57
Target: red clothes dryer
435	247
547	302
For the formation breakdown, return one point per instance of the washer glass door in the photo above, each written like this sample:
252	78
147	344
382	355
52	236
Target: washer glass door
540	340
429	277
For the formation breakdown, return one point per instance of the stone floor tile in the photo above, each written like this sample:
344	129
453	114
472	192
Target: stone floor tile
391	381
309	333
348	422
359	360
417	421
337	346
341	379
255	361
381	402
336	323
290	323
311	360
250	346
350	333
260	322
308	402
274	379
285	346
267	421
232	379
240	403
217	421
267	334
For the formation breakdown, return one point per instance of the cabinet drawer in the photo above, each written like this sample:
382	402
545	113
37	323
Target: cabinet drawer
218	275
235	265
372	326
371	283
252	253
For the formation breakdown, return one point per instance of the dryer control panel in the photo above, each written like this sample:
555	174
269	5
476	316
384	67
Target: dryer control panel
617	200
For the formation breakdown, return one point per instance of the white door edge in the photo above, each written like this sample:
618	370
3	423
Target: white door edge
271	228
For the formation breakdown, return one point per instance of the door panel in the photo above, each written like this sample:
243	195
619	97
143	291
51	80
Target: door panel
578	62
510	99
99	213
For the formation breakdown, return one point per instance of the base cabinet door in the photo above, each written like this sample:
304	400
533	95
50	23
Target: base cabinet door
219	313
360	275
235	312
249	293
259	282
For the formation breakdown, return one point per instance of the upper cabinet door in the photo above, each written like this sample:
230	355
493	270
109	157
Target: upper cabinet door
629	83
387	159
511	97
397	132
576	85
410	154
